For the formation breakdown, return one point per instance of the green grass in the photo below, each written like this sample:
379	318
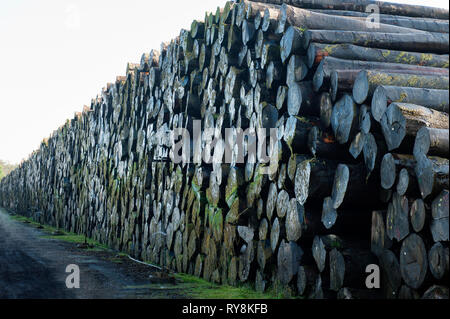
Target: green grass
199	288
64	235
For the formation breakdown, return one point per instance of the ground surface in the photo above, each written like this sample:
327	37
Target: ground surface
33	266
33	262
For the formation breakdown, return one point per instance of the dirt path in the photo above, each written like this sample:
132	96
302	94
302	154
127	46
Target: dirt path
32	266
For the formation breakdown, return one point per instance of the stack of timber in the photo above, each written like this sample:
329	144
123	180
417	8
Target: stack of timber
361	114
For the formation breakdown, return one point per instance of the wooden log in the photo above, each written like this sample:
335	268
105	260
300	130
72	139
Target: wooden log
318	21
248	32
436	43
319	253
296	134
438	258
379	238
383	95
436	292
397	221
391	165
413	261
317	51
360	6
404	119
245	261
246	233
391	273
294	220
288	261
302	100
307	276
340	183
329	213
326	108
429	25
432	141
347	268
291	43
407	183
341	81
296	70
367	81
417	215
330	64
276	233
432	174
322	144
344	118
282	203
366	14
439	223
263	254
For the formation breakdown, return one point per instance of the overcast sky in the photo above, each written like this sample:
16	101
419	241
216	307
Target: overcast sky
55	55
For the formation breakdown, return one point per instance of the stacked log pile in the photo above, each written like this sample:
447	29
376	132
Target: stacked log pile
361	114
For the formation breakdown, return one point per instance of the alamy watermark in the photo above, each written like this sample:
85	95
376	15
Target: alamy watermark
373	19
73	280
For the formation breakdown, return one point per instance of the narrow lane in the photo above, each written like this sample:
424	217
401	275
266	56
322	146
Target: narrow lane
32	266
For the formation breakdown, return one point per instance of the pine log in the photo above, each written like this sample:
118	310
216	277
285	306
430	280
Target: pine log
432	141
317	51
367	81
413	261
404	119
436	43
383	95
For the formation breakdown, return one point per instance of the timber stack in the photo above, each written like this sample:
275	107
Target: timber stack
360	105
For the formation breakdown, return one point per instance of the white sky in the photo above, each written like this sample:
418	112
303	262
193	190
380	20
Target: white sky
55	55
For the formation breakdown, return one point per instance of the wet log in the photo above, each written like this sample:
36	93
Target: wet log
322	144
397	218
360	6
439	223
432	141
436	292
429	25
294	220
438	258
402	120
379	238
296	134
318	21
288	261
436	43
347	268
367	81
384	95
344	119
330	64
307	276
391	273
302	100
317	51
418	215
291	43
413	261
391	165
263	254
319	253
432	174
